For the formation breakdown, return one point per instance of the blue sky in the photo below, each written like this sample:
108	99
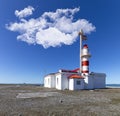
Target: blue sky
26	60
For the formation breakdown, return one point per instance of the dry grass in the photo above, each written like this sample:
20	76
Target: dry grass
101	102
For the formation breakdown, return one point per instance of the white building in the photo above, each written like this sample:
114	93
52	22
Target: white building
71	80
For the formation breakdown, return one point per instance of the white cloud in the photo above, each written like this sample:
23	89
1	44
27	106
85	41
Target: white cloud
53	37
51	28
25	12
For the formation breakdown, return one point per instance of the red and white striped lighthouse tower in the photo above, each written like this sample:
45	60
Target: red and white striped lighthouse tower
84	55
85	60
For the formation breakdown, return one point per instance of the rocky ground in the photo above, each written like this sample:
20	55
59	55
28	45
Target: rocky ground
33	100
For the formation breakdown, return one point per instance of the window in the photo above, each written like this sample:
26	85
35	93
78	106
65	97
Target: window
78	82
57	81
48	82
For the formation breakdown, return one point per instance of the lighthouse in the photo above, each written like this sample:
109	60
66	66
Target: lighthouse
80	78
84	55
85	60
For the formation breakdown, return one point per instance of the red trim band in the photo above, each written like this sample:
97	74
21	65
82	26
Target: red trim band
85	71
85	63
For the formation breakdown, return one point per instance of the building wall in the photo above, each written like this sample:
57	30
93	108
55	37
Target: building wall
58	81
99	80
76	84
53	84
62	81
95	81
89	84
71	84
49	81
65	81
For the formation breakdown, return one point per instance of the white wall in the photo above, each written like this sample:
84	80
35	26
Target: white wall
62	81
78	86
95	81
65	81
53	84
49	81
89	82
73	85
99	80
58	81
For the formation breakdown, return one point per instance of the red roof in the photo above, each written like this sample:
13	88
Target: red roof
75	76
76	70
71	71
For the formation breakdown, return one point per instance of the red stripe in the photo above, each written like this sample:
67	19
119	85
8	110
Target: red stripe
85	63
85	46
85	71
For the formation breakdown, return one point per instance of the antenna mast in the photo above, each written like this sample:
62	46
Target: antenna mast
82	37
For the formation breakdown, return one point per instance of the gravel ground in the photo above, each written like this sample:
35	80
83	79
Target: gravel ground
33	100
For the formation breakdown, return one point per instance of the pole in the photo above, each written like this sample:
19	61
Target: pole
81	33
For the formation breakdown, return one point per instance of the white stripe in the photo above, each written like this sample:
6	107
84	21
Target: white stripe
85	68
84	59
85	52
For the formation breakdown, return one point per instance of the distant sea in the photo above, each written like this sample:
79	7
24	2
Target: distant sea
113	85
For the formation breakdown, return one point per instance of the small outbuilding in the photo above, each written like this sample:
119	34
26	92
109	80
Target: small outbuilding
76	82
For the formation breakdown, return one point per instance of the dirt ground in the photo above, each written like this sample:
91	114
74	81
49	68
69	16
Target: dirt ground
33	100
